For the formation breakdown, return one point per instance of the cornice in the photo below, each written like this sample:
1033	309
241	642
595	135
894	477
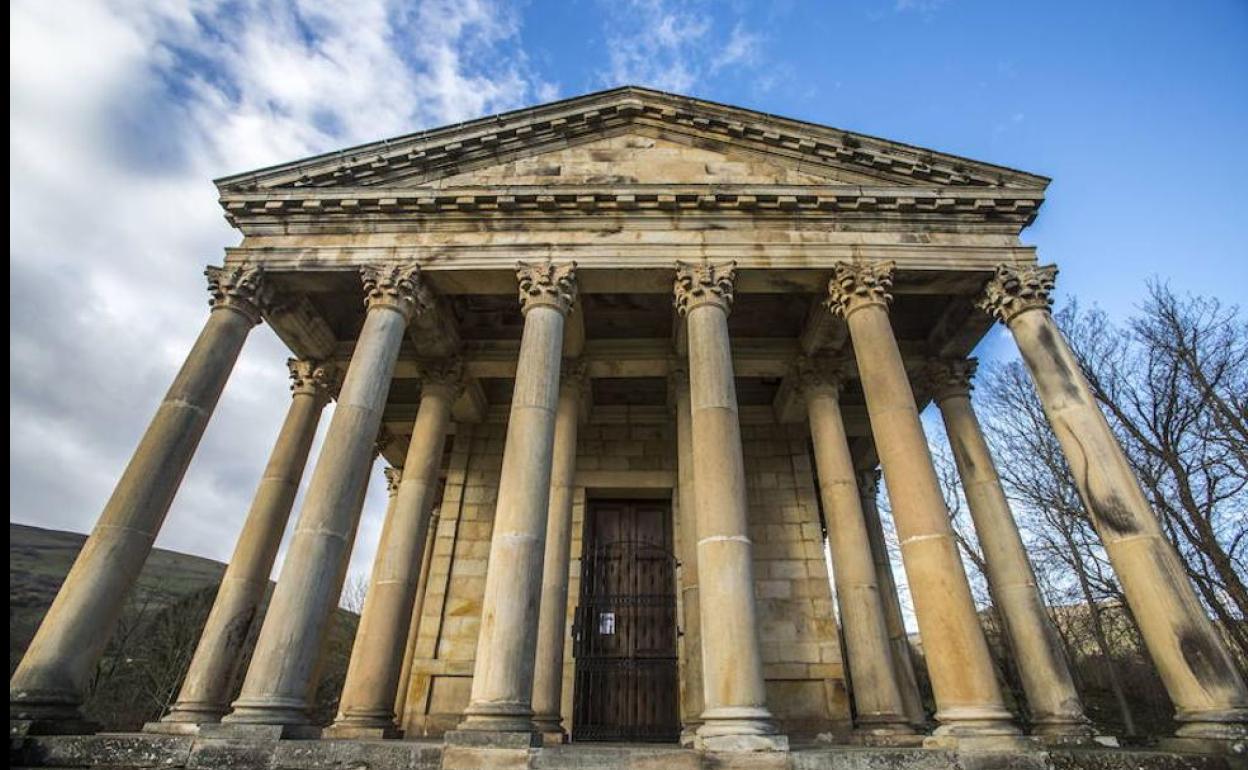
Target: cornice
444	151
328	203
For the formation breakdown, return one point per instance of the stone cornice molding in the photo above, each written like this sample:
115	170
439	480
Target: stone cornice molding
396	286
394	477
549	284
241	288
704	283
950	377
1015	289
450	150
820	376
314	378
855	285
1005	204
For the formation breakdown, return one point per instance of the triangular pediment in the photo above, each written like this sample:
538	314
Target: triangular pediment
631	136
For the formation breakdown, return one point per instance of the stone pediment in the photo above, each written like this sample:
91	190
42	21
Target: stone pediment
630	136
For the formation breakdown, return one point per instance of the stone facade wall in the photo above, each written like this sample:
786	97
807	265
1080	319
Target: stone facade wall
630	452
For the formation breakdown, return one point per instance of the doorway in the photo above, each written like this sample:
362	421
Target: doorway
624	631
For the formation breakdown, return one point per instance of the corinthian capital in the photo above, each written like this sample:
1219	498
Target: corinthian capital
820	375
948	377
445	373
856	285
394	477
547	283
397	286
313	379
1016	289
701	283
241	288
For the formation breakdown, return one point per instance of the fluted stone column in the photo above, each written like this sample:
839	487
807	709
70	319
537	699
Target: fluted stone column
1201	677
500	711
205	692
281	676
1052	700
366	708
48	687
691	691
413	627
553	615
968	698
735	716
877	697
898	639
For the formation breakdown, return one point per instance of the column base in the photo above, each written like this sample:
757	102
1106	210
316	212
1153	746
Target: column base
550	728
743	728
276	711
973	743
46	712
498	717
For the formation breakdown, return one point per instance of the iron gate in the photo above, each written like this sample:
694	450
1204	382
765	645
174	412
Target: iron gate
624	632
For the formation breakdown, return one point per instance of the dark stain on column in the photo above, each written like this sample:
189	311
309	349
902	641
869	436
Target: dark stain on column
1201	655
1108	508
1068	377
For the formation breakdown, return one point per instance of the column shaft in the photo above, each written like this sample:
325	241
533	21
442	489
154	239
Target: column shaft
1201	677
877	697
502	681
735	715
205	692
1052	700
50	682
553	615
899	640
692	703
413	627
366	708
281	677
968	698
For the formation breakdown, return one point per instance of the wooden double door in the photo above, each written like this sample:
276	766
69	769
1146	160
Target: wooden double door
627	675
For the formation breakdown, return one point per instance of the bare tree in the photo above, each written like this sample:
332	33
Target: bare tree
1174	385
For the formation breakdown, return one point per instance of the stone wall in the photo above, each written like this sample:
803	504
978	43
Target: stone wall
630	452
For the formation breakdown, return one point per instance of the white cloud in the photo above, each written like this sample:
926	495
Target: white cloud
672	45
120	114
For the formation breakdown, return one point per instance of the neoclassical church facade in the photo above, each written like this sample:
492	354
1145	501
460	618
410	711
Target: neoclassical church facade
635	365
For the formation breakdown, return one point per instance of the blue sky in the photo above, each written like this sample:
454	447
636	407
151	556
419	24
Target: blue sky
121	113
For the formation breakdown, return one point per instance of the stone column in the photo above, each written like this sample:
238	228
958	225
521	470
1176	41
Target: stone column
553	616
48	687
735	716
366	708
1052	700
205	692
413	627
1198	671
687	509
283	667
968	698
877	697
500	712
898	639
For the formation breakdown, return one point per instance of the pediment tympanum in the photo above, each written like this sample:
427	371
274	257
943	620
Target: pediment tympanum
631	136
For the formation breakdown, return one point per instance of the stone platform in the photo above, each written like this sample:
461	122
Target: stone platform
130	751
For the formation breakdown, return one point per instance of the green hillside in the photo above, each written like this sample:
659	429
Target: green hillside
156	635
